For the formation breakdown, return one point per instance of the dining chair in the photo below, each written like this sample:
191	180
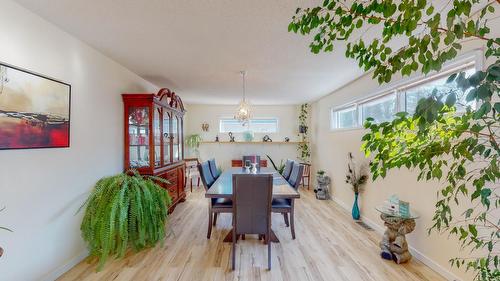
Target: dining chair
236	163
215	205
213	168
191	171
288	169
306	175
287	206
296	175
252	159
252	196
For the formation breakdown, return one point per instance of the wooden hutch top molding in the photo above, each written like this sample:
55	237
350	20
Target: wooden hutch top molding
165	97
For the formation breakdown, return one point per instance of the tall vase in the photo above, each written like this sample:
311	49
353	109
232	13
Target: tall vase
355	208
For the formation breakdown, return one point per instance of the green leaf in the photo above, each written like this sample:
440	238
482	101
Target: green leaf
429	11
451	99
483	110
473	230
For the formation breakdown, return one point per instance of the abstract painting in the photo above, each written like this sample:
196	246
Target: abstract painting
34	110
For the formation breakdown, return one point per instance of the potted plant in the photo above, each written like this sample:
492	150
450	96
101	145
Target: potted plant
124	211
280	168
193	142
357	179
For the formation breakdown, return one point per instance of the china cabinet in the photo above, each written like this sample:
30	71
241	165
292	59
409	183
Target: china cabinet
154	138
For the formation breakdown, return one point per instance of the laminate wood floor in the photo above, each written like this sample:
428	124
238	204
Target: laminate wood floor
329	246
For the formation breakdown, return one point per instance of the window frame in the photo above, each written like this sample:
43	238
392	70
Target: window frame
463	63
247	127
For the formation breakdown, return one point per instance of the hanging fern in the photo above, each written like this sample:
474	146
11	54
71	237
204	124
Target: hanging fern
124	211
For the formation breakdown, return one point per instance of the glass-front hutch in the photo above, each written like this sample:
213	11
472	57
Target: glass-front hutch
154	138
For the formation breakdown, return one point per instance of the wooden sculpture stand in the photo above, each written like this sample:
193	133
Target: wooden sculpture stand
393	244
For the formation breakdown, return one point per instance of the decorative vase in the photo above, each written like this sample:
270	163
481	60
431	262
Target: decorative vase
248	136
355	208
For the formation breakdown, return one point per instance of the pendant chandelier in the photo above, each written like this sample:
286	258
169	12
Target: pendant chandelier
243	111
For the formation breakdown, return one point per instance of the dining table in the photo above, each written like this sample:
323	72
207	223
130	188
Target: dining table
223	188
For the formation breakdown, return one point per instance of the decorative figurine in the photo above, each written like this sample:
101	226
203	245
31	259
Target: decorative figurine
216	138
204	127
322	187
393	244
287	139
266	138
231	137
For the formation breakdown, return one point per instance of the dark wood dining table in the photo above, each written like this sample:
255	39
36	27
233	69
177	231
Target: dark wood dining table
223	188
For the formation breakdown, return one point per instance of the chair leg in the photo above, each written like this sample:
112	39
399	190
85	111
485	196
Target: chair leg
198	182
292	221
234	249
269	251
209	223
215	218
191	185
285	216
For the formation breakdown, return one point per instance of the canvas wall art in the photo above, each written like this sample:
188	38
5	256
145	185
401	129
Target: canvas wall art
34	110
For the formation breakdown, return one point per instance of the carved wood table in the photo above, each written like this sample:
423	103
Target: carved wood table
393	245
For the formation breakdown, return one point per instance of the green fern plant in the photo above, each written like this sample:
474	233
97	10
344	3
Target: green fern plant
124	211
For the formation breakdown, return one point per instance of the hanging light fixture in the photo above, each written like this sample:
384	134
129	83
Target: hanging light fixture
243	111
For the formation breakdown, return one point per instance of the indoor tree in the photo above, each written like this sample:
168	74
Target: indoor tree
458	150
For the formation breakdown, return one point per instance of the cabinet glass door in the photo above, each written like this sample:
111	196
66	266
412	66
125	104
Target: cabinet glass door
157	135
166	138
138	132
175	132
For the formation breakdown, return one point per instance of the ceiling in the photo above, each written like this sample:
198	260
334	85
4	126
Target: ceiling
198	47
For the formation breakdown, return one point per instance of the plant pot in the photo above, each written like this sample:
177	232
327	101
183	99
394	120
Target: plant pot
355	208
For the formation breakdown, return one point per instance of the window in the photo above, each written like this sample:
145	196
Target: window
256	125
344	118
413	94
381	109
403	98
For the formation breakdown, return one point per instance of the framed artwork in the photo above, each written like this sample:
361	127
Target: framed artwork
34	110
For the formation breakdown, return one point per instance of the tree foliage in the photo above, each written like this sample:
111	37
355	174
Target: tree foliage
122	212
459	150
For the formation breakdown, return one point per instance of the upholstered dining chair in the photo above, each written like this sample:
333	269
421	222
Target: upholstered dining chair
192	171
296	175
252	195
286	206
252	159
213	168
215	205
288	169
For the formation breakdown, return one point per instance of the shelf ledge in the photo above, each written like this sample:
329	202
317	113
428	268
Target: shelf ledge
252	142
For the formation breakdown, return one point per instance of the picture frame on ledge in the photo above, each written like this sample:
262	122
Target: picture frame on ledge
34	110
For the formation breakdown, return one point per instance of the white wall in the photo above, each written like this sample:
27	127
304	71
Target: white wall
329	153
43	188
288	127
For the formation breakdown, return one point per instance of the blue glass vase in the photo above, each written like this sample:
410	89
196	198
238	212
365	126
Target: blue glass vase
355	208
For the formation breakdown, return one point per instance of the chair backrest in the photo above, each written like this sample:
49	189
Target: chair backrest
252	196
213	168
252	159
191	165
237	163
206	175
288	169
296	175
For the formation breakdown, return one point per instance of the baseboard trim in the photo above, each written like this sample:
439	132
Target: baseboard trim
416	254
58	272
